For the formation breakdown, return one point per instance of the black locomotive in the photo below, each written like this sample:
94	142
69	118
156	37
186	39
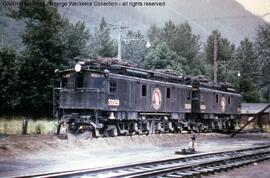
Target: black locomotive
110	98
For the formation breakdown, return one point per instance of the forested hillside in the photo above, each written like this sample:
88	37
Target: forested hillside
204	16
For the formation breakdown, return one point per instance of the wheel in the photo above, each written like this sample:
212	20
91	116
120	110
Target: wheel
114	132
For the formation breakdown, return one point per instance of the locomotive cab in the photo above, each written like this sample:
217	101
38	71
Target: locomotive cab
81	94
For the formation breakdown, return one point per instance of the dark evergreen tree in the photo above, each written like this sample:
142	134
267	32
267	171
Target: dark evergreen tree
182	41
169	34
105	46
246	63
185	43
225	54
78	43
45	41
154	35
263	49
7	80
134	48
188	46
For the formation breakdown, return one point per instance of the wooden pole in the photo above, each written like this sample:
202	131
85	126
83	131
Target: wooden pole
215	57
24	126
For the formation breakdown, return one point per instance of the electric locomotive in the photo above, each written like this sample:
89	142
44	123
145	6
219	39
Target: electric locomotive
108	98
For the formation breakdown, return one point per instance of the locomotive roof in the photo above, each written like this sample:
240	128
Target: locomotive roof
118	67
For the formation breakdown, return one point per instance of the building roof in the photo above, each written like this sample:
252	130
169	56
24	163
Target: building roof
253	108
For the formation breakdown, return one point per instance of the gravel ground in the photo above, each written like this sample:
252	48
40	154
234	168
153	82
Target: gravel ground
259	170
30	154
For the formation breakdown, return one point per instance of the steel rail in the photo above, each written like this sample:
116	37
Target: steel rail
186	165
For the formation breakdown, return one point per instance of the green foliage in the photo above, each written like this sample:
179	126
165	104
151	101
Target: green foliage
225	54
45	51
77	44
162	57
154	34
7	79
134	48
51	42
249	90
224	46
247	64
104	44
263	49
247	59
181	40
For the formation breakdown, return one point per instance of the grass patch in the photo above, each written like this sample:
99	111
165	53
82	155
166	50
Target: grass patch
14	126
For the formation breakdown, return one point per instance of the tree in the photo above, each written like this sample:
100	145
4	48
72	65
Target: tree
247	63
186	44
7	80
181	40
105	46
263	49
162	57
154	35
169	34
225	52
45	41
77	43
134	48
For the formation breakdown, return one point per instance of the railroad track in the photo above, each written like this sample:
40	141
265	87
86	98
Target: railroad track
190	166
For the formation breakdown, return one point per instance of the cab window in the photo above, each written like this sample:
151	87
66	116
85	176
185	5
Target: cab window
112	87
202	98
188	95
144	90
80	81
216	98
168	93
64	82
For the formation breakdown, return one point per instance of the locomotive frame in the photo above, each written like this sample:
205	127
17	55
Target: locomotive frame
109	98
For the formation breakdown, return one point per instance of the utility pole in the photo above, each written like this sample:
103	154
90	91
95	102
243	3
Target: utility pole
119	41
215	58
119	53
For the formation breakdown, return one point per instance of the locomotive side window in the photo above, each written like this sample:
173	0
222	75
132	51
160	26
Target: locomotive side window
64	82
144	90
188	95
80	81
202	98
229	100
168	93
112	87
216	98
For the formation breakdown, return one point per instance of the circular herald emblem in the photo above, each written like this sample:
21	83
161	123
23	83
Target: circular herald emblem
223	104
156	99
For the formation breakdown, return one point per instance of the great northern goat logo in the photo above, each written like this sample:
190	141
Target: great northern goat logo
156	99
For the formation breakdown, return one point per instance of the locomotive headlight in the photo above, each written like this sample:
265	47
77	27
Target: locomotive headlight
78	67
